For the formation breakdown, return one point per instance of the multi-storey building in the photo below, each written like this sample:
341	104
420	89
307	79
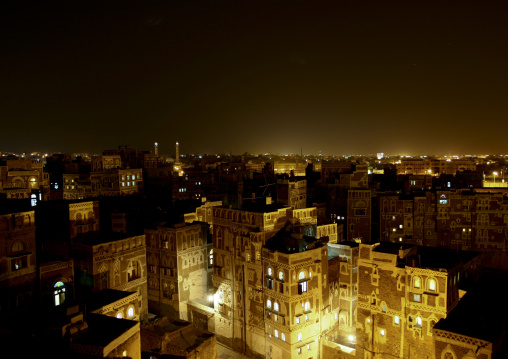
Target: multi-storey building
112	261
120	182
403	291
426	166
344	289
295	295
359	214
17	261
457	219
107	162
239	277
21	178
79	186
292	192
178	258
108	177
60	221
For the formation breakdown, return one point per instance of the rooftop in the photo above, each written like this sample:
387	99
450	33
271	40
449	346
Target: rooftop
427	257
103	330
287	241
104	297
482	312
99	237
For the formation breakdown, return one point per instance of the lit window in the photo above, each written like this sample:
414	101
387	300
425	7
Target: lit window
302	287
281	275
418	322
124	354
307	306
299	350
276	306
119	315
396	320
382	332
335	315
276	333
297	320
270	271
432	285
268	303
417	298
393	229
417	282
306	317
308	346
283	337
300	337
130	312
401	226
301	276
59	293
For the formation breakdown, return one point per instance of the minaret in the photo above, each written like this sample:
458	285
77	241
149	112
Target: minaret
156	149
177	159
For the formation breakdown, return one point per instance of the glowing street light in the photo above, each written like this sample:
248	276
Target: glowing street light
495	174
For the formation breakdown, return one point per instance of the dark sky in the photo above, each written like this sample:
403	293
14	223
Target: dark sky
341	77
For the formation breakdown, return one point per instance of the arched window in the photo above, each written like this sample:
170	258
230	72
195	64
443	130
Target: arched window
418	322
33	182
18	246
281	275
130	312
276	306
211	257
119	315
300	336
307	306
270	271
417	282
78	218
268	303
59	293
301	275
219	238
133	271
432	284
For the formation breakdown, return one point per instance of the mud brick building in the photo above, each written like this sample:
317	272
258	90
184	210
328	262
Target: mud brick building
178	261
17	261
403	291
112	261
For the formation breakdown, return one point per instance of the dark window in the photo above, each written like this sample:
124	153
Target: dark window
302	287
360	212
269	283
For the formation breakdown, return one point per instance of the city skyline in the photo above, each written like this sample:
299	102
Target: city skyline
335	78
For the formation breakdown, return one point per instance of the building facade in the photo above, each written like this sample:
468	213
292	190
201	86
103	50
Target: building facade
178	259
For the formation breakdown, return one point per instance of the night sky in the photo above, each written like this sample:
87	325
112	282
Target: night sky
341	77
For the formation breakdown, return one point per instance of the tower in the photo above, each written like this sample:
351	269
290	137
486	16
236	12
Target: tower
156	149
177	159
